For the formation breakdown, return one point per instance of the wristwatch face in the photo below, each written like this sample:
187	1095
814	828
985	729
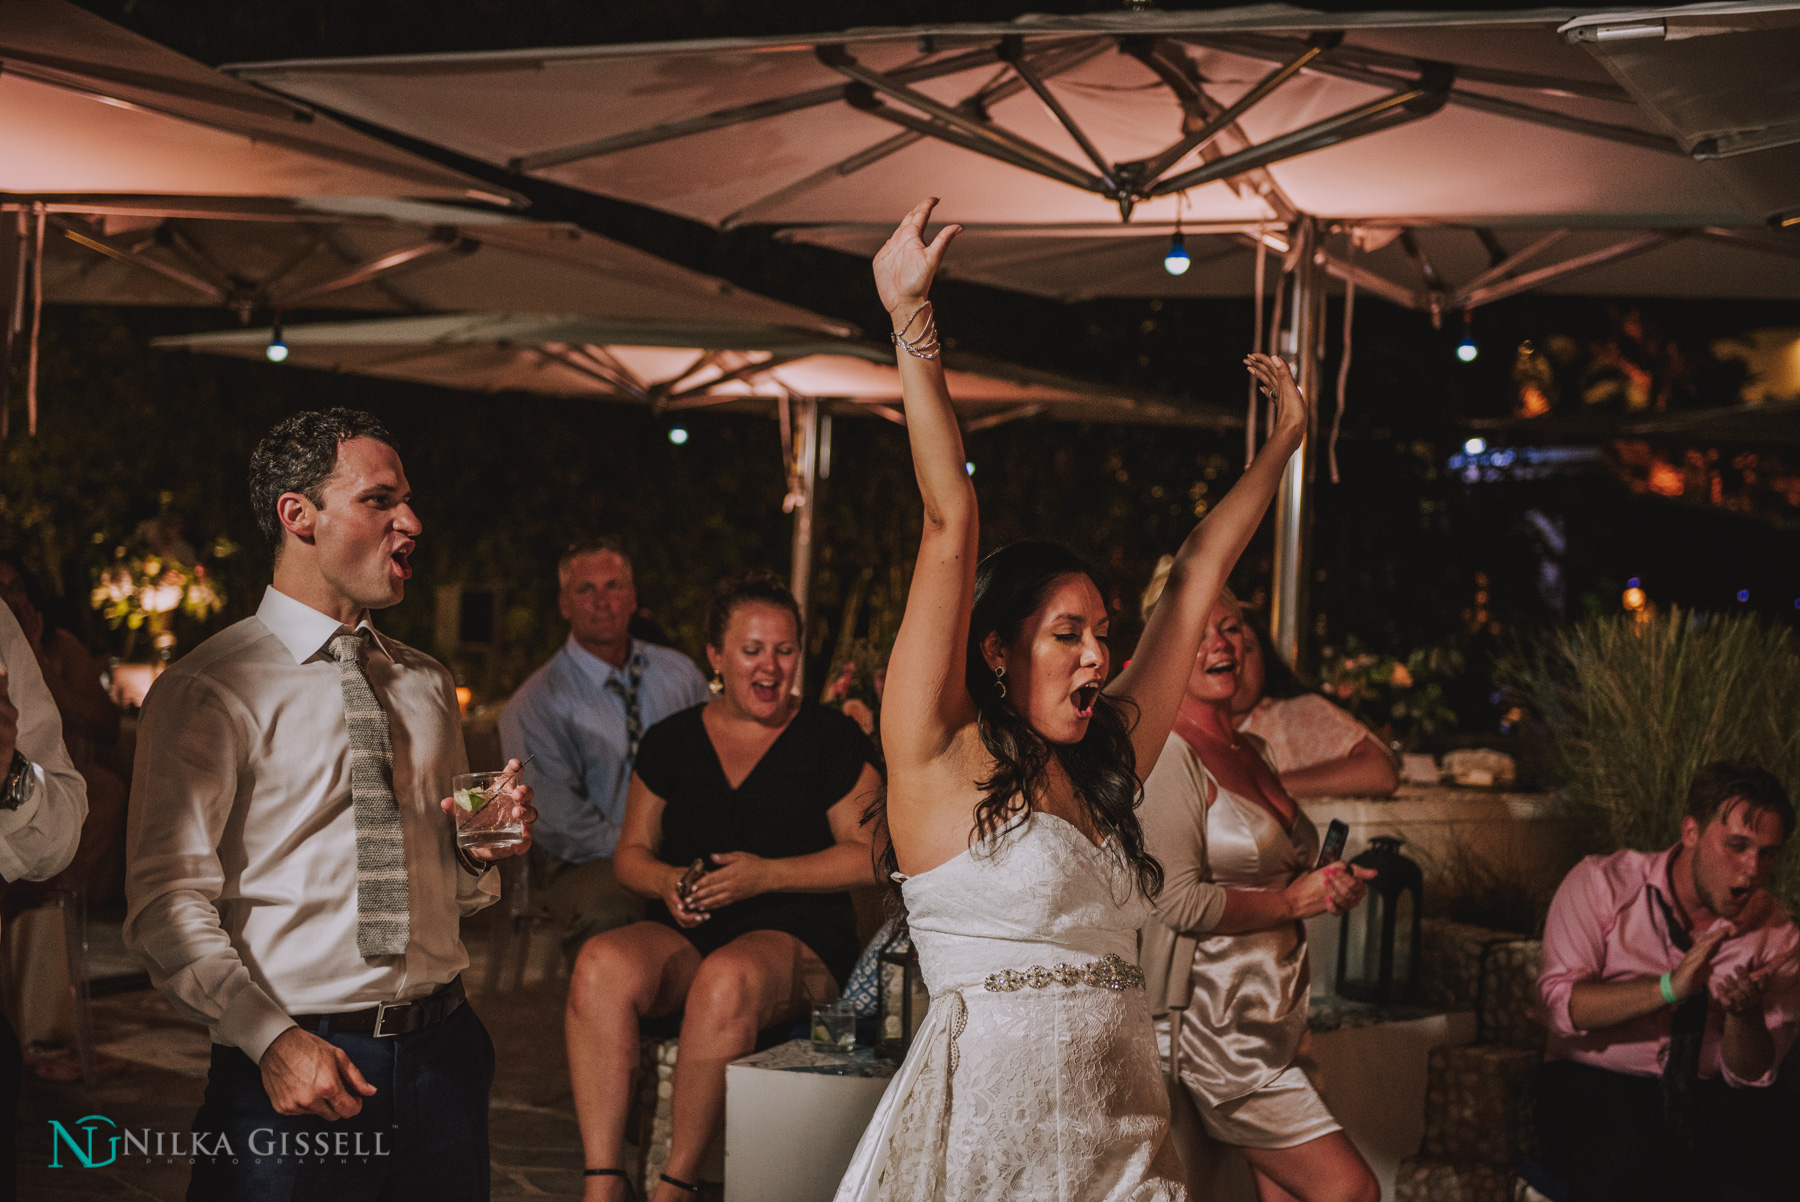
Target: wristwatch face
19	783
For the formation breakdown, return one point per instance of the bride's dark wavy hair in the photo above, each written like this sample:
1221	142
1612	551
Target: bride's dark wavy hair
1011	584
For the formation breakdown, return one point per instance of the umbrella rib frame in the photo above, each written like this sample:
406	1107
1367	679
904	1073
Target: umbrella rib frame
245	296
1354	65
1409	101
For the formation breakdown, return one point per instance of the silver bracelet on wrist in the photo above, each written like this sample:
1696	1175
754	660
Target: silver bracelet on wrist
925	346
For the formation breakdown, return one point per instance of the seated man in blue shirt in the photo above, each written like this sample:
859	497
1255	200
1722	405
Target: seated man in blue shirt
581	715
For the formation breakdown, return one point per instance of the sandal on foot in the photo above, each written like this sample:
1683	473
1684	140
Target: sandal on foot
621	1174
705	1190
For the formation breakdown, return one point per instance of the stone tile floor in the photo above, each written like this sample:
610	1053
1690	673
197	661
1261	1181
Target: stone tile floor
535	1149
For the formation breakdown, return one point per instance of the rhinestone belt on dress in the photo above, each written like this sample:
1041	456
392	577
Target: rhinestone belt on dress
1109	972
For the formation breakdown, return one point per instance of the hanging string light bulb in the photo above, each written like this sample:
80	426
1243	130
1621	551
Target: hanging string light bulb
277	350
1466	350
1176	262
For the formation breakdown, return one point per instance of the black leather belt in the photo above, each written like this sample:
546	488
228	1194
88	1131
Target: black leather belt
385	1019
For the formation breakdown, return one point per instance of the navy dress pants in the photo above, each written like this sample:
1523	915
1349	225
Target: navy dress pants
423	1135
1603	1133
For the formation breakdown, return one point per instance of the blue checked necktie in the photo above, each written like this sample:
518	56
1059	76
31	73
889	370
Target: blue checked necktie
383	921
634	718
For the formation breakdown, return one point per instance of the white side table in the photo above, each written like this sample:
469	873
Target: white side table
793	1117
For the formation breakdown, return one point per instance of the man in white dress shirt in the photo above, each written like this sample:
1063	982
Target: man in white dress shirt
293	877
43	802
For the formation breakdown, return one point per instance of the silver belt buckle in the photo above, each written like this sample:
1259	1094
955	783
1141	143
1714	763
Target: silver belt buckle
381	1013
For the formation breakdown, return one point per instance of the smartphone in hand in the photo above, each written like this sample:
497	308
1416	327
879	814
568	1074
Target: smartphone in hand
690	878
1331	850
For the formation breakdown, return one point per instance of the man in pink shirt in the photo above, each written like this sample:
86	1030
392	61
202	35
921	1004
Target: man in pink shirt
1672	990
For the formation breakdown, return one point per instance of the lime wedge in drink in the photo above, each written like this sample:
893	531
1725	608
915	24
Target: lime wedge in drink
470	800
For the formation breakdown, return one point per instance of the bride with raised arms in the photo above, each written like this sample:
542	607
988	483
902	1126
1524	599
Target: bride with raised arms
1014	773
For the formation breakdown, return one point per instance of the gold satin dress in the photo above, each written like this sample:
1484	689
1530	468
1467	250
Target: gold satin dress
1240	1039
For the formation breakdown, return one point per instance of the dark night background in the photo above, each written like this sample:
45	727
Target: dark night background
1407	554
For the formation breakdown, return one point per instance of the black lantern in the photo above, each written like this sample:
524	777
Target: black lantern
901	998
1378	943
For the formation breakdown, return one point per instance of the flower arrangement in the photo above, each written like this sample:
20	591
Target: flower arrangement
1401	699
856	682
135	591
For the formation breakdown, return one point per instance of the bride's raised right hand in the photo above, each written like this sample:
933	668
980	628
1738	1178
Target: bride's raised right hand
905	266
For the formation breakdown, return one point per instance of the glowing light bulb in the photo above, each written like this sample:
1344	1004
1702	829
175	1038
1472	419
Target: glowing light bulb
1176	262
1475	446
969	467
277	350
1634	598
1466	350
1634	582
1743	594
678	435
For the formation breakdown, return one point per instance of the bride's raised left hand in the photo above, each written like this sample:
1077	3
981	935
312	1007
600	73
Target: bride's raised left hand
1278	382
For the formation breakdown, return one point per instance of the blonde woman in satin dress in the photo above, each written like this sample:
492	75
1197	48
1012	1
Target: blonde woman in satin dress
1014	773
1239	855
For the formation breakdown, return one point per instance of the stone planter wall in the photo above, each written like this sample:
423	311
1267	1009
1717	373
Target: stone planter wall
1478	1122
1493	973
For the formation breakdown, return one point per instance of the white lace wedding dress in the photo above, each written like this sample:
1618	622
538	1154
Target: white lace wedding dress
1041	1084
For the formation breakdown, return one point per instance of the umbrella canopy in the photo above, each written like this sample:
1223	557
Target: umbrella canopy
1480	135
676	368
92	108
379	256
801	378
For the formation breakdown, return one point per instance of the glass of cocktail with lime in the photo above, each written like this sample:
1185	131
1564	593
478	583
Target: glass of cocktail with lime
485	805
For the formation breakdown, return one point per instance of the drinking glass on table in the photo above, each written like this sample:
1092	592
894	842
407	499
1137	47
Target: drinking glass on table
834	1026
485	809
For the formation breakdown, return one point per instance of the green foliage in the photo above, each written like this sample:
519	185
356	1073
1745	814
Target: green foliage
1402	697
1635	707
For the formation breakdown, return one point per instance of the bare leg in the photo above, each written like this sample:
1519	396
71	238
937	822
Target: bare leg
1326	1169
755	981
619	977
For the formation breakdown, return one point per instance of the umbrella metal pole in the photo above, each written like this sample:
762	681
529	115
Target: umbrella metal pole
1299	344
806	473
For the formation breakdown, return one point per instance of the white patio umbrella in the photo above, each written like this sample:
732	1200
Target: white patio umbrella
93	114
267	258
91	108
1465	156
803	378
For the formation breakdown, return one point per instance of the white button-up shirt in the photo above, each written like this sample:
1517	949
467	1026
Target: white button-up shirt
38	839
241	845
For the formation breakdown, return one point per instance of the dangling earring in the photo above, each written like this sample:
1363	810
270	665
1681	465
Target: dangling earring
1000	681
717	683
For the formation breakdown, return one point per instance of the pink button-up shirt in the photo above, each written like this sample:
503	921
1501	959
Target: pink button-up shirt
1605	925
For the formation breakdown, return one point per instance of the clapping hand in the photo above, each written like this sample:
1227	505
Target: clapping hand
905	266
1741	993
1690	975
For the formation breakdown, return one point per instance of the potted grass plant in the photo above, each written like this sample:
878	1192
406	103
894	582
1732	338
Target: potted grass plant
1634	704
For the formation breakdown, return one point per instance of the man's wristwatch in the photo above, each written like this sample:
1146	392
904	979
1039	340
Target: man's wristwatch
470	864
21	781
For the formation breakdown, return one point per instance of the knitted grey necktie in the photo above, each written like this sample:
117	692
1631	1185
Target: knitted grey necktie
382	917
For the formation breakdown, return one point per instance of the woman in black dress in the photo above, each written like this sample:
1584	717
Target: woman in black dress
769	791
